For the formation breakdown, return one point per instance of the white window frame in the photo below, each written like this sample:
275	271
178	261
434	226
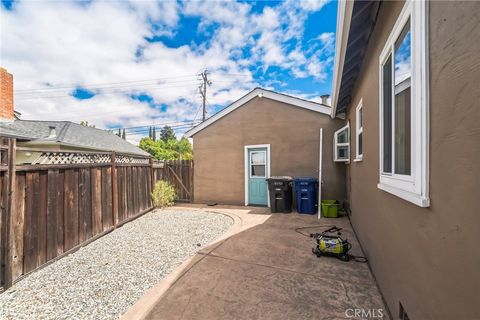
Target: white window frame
346	144
358	131
264	164
413	187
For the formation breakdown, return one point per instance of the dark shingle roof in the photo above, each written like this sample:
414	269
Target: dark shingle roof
69	133
6	131
364	17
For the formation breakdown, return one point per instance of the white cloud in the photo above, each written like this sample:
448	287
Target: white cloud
224	12
327	39
69	44
268	20
312	5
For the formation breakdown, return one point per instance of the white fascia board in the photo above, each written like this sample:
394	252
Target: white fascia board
309	105
258	92
344	17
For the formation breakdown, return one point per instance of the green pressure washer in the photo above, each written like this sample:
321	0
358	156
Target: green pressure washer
332	245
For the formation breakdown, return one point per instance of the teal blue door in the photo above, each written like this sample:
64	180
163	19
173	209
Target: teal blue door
257	175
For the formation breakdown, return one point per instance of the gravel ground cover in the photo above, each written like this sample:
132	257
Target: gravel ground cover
103	279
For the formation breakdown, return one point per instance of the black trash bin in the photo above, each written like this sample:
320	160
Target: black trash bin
280	188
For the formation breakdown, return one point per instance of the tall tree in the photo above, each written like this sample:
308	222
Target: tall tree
154	134
124	135
150	133
167	134
119	133
85	124
168	150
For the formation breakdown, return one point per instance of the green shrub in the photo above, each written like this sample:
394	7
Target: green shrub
163	194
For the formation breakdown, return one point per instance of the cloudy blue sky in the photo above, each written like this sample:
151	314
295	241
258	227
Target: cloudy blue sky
135	63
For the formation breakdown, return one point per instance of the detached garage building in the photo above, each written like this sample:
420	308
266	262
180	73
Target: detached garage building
263	134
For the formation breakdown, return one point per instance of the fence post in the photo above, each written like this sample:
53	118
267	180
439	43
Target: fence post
192	181
10	179
114	190
152	182
152	175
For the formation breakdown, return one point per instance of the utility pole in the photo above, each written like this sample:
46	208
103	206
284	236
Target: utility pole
203	91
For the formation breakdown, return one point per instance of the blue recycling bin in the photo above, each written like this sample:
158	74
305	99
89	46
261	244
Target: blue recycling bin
306	189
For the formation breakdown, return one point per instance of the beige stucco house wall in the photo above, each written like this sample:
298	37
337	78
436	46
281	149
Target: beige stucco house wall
293	135
426	258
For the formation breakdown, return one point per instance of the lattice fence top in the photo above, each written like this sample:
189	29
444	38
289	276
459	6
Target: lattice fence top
127	159
71	158
79	158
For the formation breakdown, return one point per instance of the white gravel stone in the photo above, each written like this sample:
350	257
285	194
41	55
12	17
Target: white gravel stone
105	278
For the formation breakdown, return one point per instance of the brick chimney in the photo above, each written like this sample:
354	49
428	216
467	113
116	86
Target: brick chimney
6	96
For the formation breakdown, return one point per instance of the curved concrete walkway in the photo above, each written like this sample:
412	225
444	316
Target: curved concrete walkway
263	269
244	218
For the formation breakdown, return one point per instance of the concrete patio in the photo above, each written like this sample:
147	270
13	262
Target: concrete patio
263	268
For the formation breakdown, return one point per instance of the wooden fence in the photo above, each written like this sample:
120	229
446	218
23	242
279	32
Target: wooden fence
180	174
48	211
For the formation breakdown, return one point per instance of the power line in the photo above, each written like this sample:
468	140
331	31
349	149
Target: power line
198	109
146	130
133	109
69	90
141	129
196	113
91	115
232	74
210	106
105	83
69	95
161	124
28	94
109	84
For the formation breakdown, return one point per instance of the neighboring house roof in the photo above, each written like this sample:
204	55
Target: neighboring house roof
68	134
12	133
259	92
355	23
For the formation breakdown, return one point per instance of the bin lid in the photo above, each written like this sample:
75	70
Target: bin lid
306	179
282	178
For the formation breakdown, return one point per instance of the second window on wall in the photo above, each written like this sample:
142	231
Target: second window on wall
341	142
359	132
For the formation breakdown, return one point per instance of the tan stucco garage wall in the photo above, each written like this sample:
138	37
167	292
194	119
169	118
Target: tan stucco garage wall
293	135
427	258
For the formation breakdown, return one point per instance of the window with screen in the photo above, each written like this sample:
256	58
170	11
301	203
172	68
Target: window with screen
359	132
341	141
404	108
258	164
